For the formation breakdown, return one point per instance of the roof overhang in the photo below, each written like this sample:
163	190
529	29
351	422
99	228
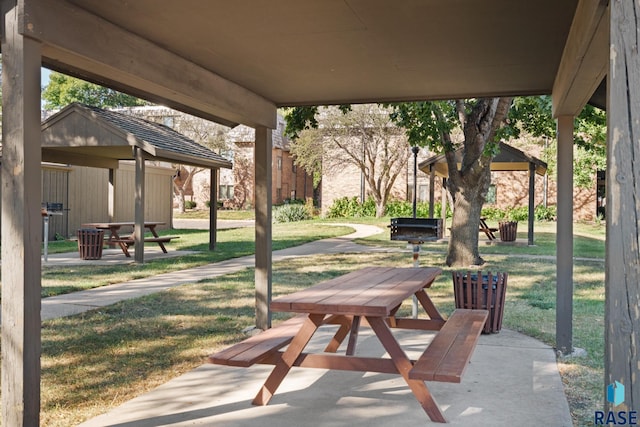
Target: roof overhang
88	136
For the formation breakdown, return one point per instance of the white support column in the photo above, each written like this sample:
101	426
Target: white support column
263	201
112	195
564	237
138	232
622	259
21	223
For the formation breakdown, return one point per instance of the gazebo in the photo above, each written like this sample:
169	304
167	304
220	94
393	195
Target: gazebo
508	159
237	63
83	135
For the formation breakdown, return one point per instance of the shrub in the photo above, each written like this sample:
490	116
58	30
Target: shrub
350	207
493	213
290	213
399	209
189	204
543	213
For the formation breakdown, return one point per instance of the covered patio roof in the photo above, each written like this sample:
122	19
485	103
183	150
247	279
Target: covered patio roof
90	136
509	159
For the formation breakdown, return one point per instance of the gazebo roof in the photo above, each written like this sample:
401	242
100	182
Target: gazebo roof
509	159
90	136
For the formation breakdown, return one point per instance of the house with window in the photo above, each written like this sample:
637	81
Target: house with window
235	187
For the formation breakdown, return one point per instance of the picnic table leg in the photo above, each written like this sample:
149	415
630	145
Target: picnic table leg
428	306
353	337
114	235
341	333
288	358
404	365
152	228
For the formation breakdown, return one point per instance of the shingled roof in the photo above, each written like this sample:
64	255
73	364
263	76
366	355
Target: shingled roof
80	134
508	159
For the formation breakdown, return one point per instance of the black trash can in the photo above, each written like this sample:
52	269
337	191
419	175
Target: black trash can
90	242
486	293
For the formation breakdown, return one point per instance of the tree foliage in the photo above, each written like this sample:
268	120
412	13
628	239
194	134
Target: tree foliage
63	90
534	115
432	124
362	136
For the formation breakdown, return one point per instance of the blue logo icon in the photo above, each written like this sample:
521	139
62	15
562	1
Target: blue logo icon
615	393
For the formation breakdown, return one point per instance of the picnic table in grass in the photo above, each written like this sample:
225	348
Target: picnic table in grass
125	241
371	296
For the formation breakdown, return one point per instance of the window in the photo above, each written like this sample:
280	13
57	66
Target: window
492	195
279	163
225	192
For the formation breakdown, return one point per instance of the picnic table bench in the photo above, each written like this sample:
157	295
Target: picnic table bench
373	296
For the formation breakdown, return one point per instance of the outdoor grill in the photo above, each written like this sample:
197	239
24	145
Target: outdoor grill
416	229
52	208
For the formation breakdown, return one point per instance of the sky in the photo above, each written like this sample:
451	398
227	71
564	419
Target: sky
44	78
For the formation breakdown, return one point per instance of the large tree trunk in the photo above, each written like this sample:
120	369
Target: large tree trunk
469	183
469	196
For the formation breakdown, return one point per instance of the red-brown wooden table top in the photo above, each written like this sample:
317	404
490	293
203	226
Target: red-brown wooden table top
371	291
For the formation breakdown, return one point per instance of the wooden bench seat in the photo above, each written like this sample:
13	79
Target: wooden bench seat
129	240
260	346
449	353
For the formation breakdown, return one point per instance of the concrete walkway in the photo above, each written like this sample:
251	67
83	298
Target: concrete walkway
512	379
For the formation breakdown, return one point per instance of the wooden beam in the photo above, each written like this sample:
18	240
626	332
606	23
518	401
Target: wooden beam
584	60
138	231
622	259
21	222
74	42
443	204
432	184
532	202
564	237
263	202
69	158
213	209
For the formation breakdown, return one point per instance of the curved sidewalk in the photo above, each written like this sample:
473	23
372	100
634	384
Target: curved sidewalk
512	379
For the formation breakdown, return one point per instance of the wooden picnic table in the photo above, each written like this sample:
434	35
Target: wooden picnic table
125	242
373	296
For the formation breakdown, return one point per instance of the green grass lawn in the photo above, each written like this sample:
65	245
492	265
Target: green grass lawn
94	361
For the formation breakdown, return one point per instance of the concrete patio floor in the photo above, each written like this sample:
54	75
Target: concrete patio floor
511	380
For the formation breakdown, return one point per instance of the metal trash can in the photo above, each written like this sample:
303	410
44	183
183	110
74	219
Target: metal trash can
469	294
90	242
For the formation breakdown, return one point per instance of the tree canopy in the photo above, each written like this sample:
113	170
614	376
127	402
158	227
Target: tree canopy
63	90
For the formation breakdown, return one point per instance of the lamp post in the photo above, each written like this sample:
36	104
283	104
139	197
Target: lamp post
416	245
415	150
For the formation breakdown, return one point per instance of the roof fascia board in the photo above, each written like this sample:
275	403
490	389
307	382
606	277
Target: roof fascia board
73	41
585	58
173	157
67	158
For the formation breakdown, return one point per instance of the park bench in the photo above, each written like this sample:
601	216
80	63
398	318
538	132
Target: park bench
448	355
